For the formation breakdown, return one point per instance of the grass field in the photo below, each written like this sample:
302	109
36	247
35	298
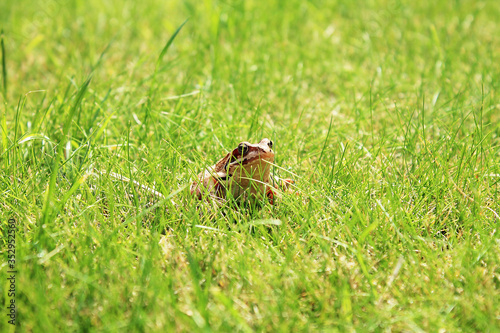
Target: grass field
386	114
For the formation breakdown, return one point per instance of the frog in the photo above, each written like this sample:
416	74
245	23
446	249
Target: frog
243	174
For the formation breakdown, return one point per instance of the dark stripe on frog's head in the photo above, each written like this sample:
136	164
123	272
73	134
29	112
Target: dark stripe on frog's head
234	155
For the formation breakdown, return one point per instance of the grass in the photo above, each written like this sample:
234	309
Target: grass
386	113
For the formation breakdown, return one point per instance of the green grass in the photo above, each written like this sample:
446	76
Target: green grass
386	113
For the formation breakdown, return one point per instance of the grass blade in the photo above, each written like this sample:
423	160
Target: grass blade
48	203
167	46
4	66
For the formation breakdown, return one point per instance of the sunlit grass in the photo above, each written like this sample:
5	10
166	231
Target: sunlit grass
385	114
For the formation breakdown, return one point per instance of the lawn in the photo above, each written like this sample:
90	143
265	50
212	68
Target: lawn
385	113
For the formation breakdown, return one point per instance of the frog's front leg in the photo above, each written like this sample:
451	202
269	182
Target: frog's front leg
208	185
278	186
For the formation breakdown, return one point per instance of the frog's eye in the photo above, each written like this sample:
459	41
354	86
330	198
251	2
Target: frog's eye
242	149
270	144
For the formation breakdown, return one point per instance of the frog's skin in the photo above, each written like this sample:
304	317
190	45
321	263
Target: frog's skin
243	174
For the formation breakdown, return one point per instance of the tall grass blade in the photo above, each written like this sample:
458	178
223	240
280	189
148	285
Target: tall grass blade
324	147
167	46
48	203
3	120
4	66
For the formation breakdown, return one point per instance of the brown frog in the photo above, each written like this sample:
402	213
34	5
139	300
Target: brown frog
243	174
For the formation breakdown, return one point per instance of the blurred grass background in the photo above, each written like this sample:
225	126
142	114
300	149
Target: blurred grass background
386	113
